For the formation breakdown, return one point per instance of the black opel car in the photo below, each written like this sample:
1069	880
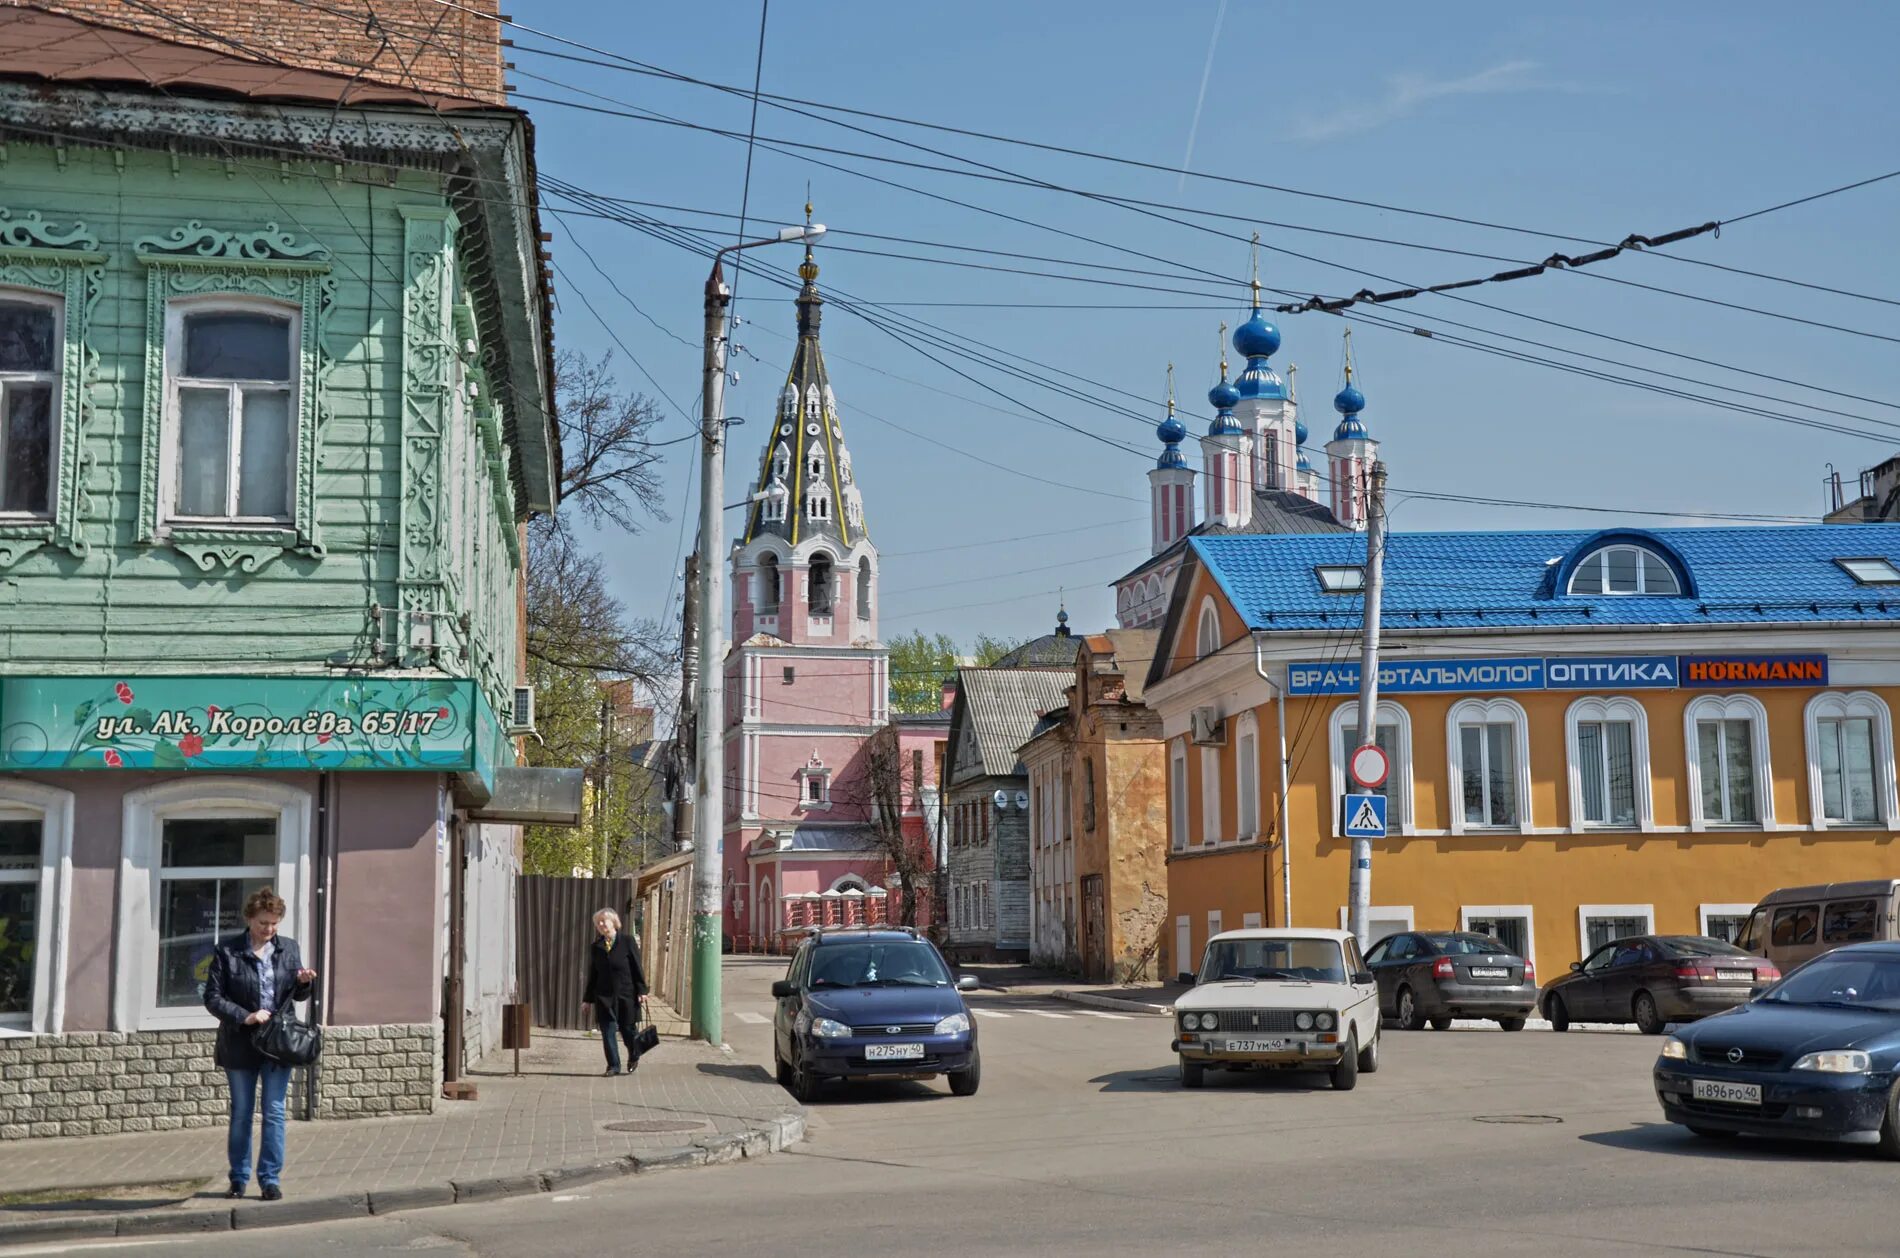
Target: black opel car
872	1004
1813	1057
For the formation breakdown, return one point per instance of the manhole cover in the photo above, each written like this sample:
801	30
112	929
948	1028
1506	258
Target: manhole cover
1529	1120
650	1125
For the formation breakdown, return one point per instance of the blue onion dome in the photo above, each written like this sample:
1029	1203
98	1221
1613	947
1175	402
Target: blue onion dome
1171	430
1257	338
1349	400
1303	465
1223	396
1299	432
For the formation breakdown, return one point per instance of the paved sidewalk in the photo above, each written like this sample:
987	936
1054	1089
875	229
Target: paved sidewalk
688	1103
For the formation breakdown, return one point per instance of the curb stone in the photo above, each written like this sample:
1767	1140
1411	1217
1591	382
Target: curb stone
1111	1002
780	1134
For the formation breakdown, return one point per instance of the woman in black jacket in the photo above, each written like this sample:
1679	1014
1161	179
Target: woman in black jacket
616	988
253	975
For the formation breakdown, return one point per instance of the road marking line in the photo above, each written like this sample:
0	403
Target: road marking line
1047	1013
756	1019
1097	1013
989	1013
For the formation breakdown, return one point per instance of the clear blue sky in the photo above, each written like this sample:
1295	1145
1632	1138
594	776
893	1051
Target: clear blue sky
1593	123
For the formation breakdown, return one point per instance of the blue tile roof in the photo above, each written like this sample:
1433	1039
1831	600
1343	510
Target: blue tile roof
1783	574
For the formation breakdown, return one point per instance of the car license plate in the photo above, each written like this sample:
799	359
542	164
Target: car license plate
1732	1093
1735	976
1257	1046
1489	971
893	1052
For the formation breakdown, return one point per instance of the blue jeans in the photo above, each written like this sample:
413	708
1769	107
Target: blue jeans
623	1020
275	1079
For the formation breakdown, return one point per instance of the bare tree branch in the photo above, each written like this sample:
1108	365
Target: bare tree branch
609	468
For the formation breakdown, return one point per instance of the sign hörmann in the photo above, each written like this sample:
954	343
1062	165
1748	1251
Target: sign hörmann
1603	672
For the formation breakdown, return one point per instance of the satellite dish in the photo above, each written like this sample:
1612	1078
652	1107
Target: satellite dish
1001	799
1022	801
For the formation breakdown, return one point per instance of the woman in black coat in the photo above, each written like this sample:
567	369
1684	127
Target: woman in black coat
252	976
616	988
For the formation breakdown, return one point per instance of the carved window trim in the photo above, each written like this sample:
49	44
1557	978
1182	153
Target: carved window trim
199	262
65	264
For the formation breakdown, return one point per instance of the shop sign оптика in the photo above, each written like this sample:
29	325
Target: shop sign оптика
1561	672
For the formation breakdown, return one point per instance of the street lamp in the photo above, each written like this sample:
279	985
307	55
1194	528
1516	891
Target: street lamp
709	822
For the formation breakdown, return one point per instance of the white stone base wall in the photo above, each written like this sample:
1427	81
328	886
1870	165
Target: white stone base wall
90	1083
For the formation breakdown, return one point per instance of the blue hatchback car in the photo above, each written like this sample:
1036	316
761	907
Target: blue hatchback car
1814	1057
872	1004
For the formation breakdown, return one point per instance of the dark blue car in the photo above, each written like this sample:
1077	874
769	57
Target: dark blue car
1814	1057
872	1004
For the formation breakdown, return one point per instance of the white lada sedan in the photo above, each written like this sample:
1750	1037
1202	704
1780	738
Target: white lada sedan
1282	999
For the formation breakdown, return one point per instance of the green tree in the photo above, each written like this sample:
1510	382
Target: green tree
921	663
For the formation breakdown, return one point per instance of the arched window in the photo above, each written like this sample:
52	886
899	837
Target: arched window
818	585
1609	764
768	585
851	882
864	588
817	465
818	507
1207	636
1246	777
1625	568
1850	760
1489	740
1393	734
1728	763
781	461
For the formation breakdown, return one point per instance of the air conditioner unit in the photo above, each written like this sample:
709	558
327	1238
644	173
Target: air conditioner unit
1208	728
522	719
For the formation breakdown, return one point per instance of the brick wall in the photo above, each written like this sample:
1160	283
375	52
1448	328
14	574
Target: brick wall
104	1082
413	43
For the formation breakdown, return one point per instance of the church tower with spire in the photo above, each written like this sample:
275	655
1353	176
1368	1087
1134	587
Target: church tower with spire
1171	480
1262	407
1351	452
1227	456
807	678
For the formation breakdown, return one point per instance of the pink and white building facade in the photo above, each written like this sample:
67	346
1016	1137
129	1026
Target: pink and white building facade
807	678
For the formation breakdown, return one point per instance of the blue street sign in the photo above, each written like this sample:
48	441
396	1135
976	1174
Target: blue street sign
1362	816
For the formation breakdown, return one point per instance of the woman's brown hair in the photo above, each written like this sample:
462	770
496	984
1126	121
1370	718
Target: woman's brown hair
263	900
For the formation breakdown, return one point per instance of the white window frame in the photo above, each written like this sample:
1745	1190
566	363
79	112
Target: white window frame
807	776
1704	912
144	812
1391	912
1214	923
1488	712
1848	705
1207	630
175	314
53	809
1729	708
1210	796
1610	708
1398	782
1250	921
1178	794
1468	911
1642	569
1246	778
56	405
1587	911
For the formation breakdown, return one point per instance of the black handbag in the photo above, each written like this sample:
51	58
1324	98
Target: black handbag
647	1040
288	1039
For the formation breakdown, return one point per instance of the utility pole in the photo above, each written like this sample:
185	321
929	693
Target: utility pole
1361	879
685	729
708	788
602	861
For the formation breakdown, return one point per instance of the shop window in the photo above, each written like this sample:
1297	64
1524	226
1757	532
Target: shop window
1490	765
1728	762
1850	760
231	382
1609	764
35	848
32	344
1393	735
194	850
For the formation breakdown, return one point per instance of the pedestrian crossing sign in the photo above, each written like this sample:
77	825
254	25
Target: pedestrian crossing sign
1362	816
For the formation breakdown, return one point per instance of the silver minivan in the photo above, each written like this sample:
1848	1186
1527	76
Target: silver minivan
1797	924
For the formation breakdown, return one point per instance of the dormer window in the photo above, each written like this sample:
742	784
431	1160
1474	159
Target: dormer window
1871	571
1625	569
781	461
1341	579
817	467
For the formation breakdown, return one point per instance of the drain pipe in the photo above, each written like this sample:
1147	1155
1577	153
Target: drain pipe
1286	840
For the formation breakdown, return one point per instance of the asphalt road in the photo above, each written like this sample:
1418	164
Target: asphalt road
1080	1142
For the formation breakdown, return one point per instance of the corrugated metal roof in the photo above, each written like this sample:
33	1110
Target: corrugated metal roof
35	44
1781	574
1002	706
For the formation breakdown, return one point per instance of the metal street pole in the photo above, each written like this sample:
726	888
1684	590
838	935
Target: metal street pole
709	812
1361	879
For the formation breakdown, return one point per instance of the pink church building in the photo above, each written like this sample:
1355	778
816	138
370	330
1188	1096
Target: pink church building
808	681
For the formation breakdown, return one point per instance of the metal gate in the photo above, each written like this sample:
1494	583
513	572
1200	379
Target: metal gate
555	925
